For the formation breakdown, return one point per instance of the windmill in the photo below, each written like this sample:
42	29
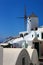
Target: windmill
25	18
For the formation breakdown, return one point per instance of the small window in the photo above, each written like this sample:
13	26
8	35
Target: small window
23	61
37	35
42	35
31	29
35	28
21	35
25	34
30	20
32	35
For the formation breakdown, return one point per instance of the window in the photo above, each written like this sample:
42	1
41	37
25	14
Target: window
35	28
30	20
31	29
23	61
21	35
42	35
32	35
25	34
37	35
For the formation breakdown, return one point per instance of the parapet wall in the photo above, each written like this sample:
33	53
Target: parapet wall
18	56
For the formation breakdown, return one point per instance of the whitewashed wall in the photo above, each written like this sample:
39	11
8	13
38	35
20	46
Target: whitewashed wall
14	56
32	23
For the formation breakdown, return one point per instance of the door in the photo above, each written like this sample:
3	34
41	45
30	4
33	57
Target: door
23	61
36	46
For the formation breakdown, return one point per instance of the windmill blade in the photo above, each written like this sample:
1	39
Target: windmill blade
24	17
24	10
21	17
25	23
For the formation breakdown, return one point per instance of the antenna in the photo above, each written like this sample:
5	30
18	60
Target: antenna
24	17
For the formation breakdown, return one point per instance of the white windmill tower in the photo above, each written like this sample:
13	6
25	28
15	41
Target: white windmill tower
32	22
28	24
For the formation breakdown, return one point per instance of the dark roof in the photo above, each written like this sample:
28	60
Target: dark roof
33	15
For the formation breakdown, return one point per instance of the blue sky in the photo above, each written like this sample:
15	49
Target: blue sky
10	25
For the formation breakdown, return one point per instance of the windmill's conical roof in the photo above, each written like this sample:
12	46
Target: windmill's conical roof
32	15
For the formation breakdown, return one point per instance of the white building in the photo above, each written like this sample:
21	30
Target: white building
33	36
